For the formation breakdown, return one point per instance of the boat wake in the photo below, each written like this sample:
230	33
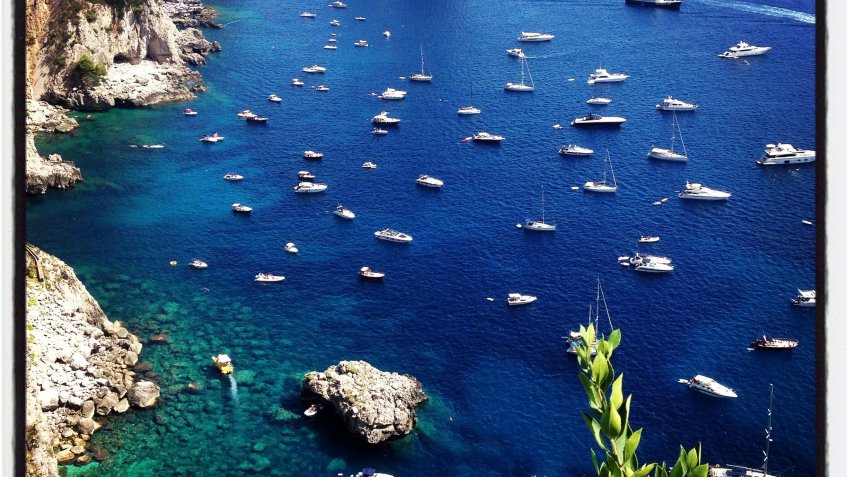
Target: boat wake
765	10
233	389
553	55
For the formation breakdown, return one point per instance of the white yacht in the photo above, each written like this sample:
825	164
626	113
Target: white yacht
246	114
331	46
268	277
534	36
233	177
639	259
422	76
654	267
598	101
785	154
671	104
310	154
359	19
601	75
322	88
391	93
308	15
522	86
516	299
360	43
669	154
805	298
296	82
197	264
379	132
515	52
314	69
344	212
241	208
366	272
483	136
275	99
189	112
539	225
384	119
743	49
291	248
468	111
335	22
393	236
338	4
593	119
429	181
332	38
305	176
575	150
699	192
671	4
309	187
369	165
602	185
212	138
708	386
649	239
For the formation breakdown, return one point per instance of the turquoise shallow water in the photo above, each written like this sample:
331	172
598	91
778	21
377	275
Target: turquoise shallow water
505	398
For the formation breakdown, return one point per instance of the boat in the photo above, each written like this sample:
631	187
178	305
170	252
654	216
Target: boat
602	185
468	110
598	101
785	154
483	136
769	343
671	104
331	46
532	36
332	39
335	22
338	4
245	114
744	49
314	69
369	165
740	471
310	154
522	87
575	150
806	222
601	75
197	264
366	272
805	298
393	236
296	82
189	112
379	132
291	248
429	181
322	88
257	119
359	19
274	98
360	43
309	187
517	299
223	363
384	119
313	410
268	277
153	146
233	177
387	34
515	52
639	259
654	267
649	238
308	15
593	119
241	208
672	4
708	386
573	338
305	176
539	225
392	94
700	192
212	138
422	76
669	154
367	472
343	212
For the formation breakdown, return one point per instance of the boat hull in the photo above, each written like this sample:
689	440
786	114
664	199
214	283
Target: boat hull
774	161
539	226
669	4
519	88
598	123
703	197
666	155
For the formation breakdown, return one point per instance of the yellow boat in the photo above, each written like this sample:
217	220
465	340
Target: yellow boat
223	363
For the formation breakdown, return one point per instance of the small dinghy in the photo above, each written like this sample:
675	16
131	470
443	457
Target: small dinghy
649	239
241	208
233	177
313	410
291	248
197	264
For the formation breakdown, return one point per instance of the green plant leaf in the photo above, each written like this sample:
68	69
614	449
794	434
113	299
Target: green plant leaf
699	470
644	470
595	461
614	339
595	427
600	369
632	444
692	460
617	396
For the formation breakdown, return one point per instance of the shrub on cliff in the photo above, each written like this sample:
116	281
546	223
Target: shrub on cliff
91	71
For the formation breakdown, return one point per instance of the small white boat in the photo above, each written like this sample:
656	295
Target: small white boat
313	410
805	298
275	99
785	154
366	272
233	177
649	239
322	88
256	119
291	248
245	114
422	76
429	181
531	36
212	138
603	185
593	119
296	82
309	187
708	386
371	473
314	69
308	15
522	86
393	236
484	136
671	104
338	4
387	34
467	111
392	94
601	75
343	212
768	343
197	264
671	4
515	52
516	299
598	101
359	19
744	49
335	22
379	132
539	225
310	154
700	192
241	208
806	222
360	43
331	46
369	165
189	112
305	176
575	150
153	146
383	118
268	277
664	154
332	39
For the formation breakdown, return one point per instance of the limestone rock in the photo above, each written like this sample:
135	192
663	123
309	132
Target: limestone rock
65	456
42	173
87	425
48	399
122	406
144	394
105	405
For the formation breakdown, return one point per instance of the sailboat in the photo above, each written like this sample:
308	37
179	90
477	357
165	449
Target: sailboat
669	154
522	87
603	186
740	471
422	77
539	224
469	110
573	338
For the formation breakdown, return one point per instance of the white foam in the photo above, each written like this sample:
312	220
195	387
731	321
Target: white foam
765	10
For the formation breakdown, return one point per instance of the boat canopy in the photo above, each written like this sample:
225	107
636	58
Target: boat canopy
223	359
807	293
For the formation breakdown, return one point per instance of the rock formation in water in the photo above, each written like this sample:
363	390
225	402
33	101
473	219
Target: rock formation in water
77	366
374	405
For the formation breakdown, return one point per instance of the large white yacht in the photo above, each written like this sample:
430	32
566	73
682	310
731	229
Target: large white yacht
601	75
241	208
515	299
593	119
654	267
805	298
467	111
314	69
483	136
429	181
709	386
671	104
785	154
383	118
575	150
268	277
535	36
743	49
393	236
391	93
697	191
309	187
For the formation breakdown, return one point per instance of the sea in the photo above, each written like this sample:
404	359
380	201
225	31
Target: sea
504	396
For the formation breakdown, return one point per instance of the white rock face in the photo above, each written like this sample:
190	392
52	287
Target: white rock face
42	173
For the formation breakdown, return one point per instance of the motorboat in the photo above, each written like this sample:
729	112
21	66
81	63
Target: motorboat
274	98
360	43
332	39
305	176
603	185
708	386
379	132
598	101
314	69
367	472
429	181
575	150
467	111
369	165
534	36
212	138
387	34
664	154
268	277
393	236
515	52
422	76
344	212
522	86
335	22
309	187
296	82
672	4
256	119
483	136
639	259
233	177
516	299
805	298
744	49
331	46
649	238
671	104
392	94
574	337
153	146
785	154
539	225
313	410
322	88
384	119
291	248
241	208
366	272
700	192
601	75
223	363
338	4
308	15
245	114
654	267
189	112
593	119
359	19
769	343
310	154
197	264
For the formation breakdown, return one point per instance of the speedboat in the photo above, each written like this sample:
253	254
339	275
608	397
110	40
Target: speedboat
598	101
640	259
391	93
335	22
360	43
393	236
700	192
805	298
366	272
245	114
241	208
313	410
483	136
268	277
654	267
785	154
649	239
305	176
309	187
575	150
359	19
534	36
296	82
369	165
233	177
331	46
515	299
383	118
197	264
429	181
153	146
322	87
387	34
308	15
768	343
601	75
223	363
656	3
275	99
314	69
256	119
708	386
593	119
743	49
515	52
343	212
379	132
212	138
189	112
371	473
310	154
338	4
291	248
467	111
671	104
332	39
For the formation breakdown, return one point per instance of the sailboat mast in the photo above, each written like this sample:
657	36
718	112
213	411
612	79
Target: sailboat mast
543	204
422	59
612	171
597	307
768	431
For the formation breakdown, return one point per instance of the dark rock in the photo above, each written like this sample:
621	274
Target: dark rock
160	338
100	455
143	367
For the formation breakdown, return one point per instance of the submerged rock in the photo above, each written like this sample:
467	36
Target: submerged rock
144	394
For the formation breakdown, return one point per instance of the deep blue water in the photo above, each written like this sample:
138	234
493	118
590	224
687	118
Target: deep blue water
505	398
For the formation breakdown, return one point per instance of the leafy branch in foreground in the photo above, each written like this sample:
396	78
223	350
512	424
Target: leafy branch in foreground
608	417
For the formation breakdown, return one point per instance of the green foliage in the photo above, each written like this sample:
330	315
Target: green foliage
137	6
90	16
90	70
608	417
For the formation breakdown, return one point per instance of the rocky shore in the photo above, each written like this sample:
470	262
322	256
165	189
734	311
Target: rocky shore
52	171
374	405
78	367
191	13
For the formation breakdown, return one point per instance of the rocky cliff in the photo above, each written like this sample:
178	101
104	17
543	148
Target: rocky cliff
78	366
